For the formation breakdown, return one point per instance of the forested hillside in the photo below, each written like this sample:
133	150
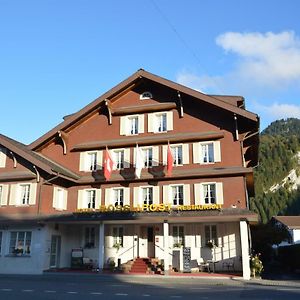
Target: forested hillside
277	175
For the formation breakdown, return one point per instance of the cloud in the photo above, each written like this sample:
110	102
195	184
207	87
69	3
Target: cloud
267	59
281	111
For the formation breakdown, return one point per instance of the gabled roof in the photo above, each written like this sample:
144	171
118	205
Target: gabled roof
292	222
36	159
73	118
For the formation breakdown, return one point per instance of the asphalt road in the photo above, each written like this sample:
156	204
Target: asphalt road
73	287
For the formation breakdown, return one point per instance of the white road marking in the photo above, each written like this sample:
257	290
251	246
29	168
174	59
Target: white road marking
6	290
200	288
96	293
27	290
72	292
121	294
175	296
48	291
288	289
146	295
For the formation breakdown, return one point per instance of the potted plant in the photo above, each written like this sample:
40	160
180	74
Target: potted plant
117	246
177	245
256	265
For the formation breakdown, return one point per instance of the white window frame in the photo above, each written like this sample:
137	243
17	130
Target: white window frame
60	196
118	196
177	187
184	154
147	156
154	122
168	194
90	198
2	157
15	197
161	122
24	191
177	152
118	236
87	165
178	235
89	237
199	193
83	198
209	230
147	162
147	194
126	124
119	159
133	125
209	193
146	95
199	155
20	246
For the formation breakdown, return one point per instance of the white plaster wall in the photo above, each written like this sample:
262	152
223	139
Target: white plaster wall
32	264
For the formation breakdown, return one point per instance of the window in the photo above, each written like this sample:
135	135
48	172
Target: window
59	198
160	121
20	242
177	195
1	194
90	198
118	196
178	236
211	234
209	193
90	161
147	194
207	152
146	95
89	237
132	125
118	236
2	157
177	155
24	194
119	159
148	157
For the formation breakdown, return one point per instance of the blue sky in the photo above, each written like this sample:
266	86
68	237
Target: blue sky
56	56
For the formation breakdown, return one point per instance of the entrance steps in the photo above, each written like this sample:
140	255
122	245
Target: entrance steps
142	266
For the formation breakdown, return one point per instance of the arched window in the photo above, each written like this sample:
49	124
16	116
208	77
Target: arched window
146	95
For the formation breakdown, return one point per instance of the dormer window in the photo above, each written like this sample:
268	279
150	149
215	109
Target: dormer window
2	157
146	95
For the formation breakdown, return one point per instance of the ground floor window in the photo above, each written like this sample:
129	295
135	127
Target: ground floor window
211	235
20	242
89	238
178	236
118	234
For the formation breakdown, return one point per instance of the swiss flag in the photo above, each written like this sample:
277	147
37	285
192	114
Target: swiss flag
170	161
108	164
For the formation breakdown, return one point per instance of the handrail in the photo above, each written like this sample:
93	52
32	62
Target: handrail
132	247
163	249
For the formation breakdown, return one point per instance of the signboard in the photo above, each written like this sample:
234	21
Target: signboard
186	252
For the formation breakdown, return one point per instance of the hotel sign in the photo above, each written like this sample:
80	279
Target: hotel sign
150	208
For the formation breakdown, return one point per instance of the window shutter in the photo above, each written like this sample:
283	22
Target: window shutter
127	158
217	151
13	194
80	200
156	195
98	198
196	153
151	122
141	123
219	193
82	161
4	194
165	154
2	157
126	196
166	194
169	120
136	196
65	200
54	200
198	193
123	129
107	197
186	195
99	159
32	195
185	154
155	156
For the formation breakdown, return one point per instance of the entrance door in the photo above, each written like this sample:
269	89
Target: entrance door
55	251
150	234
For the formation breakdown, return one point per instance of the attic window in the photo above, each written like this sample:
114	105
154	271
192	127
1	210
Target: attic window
146	95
